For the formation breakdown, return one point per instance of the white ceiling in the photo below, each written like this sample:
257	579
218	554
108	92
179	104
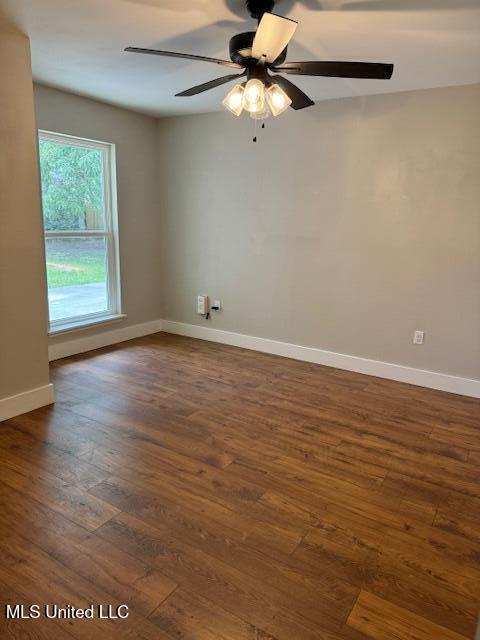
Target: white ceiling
77	45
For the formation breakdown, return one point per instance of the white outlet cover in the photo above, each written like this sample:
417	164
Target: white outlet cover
202	305
418	337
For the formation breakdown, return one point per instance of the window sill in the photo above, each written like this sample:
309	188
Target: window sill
88	323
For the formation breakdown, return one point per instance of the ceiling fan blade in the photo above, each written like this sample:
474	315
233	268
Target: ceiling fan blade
372	70
206	86
273	35
188	56
299	99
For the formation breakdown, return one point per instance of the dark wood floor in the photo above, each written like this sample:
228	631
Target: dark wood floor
230	495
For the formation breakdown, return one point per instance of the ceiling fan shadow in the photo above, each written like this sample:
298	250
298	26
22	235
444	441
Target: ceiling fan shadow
211	39
409	5
174	5
313	5
282	7
296	51
237	7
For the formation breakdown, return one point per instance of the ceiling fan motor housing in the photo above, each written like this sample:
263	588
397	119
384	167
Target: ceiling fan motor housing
241	50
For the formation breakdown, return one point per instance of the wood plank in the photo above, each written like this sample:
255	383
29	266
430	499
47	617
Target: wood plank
128	580
75	504
190	616
450	559
22	516
12	594
441	470
46	580
202	518
382	620
35	454
458	522
279	612
425	596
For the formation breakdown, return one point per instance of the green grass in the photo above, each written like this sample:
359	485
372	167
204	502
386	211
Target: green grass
75	262
84	273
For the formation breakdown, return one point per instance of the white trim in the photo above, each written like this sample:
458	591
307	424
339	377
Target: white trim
87	323
104	339
409	375
110	231
26	401
400	373
74	141
75	234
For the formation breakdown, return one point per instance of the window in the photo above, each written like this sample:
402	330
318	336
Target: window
81	243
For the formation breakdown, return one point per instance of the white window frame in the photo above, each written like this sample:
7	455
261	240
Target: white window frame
110	234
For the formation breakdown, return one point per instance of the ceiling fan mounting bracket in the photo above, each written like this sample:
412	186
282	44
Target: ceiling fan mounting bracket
257	8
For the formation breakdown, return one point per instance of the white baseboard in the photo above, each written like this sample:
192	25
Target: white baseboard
400	373
410	375
26	401
85	343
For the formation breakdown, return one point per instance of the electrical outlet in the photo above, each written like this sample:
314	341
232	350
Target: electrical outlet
202	305
418	337
217	305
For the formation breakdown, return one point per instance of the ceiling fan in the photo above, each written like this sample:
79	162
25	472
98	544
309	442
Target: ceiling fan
261	52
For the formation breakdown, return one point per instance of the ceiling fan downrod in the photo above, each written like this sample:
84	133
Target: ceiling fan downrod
257	8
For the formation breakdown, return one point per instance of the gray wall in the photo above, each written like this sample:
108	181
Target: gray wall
23	313
346	227
136	156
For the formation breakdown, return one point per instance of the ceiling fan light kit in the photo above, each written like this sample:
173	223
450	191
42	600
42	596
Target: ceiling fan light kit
259	101
258	53
259	98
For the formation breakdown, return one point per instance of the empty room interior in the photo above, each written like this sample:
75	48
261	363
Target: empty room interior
240	319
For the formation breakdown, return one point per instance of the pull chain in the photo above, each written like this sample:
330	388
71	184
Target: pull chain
255	130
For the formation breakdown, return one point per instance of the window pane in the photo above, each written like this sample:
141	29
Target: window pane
77	277
72	187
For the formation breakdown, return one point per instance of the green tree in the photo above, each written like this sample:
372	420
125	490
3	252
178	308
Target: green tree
72	185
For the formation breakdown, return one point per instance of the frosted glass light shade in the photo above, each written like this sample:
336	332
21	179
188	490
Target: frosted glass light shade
233	101
254	96
277	99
